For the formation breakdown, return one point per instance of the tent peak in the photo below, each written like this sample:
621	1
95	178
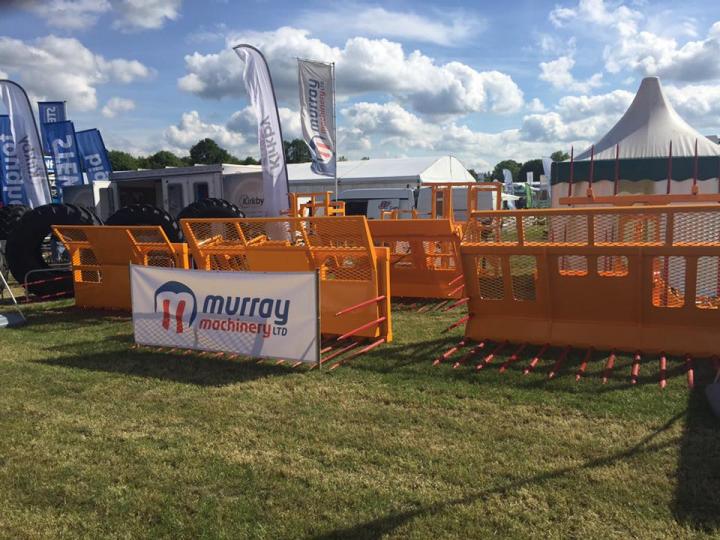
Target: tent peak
648	127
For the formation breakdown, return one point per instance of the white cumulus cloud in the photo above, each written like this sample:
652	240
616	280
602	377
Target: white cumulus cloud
390	126
557	73
69	14
192	128
363	65
650	46
446	27
244	121
590	117
117	105
63	68
146	14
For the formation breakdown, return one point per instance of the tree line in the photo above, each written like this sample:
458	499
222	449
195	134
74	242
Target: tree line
204	152
208	152
519	170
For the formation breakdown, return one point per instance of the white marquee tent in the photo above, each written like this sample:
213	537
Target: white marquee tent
641	140
376	173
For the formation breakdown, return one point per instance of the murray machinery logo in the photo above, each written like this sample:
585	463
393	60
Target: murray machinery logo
224	314
323	152
317	111
177	303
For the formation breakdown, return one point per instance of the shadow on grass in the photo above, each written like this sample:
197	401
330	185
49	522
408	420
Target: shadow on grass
697	496
385	525
190	369
51	316
121	359
404	358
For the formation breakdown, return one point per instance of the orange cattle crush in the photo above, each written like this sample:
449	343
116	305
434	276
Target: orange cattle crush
354	274
424	256
636	278
100	256
315	204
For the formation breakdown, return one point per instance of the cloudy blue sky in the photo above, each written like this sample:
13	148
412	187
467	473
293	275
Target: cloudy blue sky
481	80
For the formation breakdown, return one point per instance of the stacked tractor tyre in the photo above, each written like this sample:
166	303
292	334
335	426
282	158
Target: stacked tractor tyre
210	208
9	216
25	242
26	232
146	214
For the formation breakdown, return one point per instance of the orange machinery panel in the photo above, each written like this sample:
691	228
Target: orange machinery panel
101	256
644	278
424	256
353	272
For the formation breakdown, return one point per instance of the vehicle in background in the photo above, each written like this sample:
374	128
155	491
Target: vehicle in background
373	202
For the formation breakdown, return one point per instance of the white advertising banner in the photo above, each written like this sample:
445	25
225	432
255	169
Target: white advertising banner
317	114
259	86
258	314
27	145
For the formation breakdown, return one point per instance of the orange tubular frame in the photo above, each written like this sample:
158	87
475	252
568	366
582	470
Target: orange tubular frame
354	274
318	201
100	256
636	279
424	256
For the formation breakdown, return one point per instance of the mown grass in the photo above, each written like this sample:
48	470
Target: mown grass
100	440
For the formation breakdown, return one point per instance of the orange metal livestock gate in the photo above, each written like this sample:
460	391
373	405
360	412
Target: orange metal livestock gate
100	256
636	279
354	274
424	256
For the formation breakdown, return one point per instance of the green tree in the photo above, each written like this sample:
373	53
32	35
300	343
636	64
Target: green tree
249	160
474	174
160	160
122	161
342	158
559	155
208	152
510	164
296	151
535	166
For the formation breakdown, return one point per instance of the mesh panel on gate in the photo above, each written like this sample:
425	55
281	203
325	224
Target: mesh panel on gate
524	275
568	229
339	246
645	229
342	267
668	281
488	270
72	235
86	257
400	253
707	294
439	255
535	229
152	247
573	265
699	228
612	266
490	230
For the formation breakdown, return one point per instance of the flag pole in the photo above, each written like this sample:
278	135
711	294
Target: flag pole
335	131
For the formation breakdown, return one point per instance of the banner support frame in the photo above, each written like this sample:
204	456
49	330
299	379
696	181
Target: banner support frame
332	68
318	334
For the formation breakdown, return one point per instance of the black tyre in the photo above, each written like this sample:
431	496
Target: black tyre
24	249
210	208
9	216
145	214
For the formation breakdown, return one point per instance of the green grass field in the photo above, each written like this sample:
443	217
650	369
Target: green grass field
101	440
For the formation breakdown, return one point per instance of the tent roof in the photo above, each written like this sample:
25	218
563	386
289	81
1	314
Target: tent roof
415	169
648	126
